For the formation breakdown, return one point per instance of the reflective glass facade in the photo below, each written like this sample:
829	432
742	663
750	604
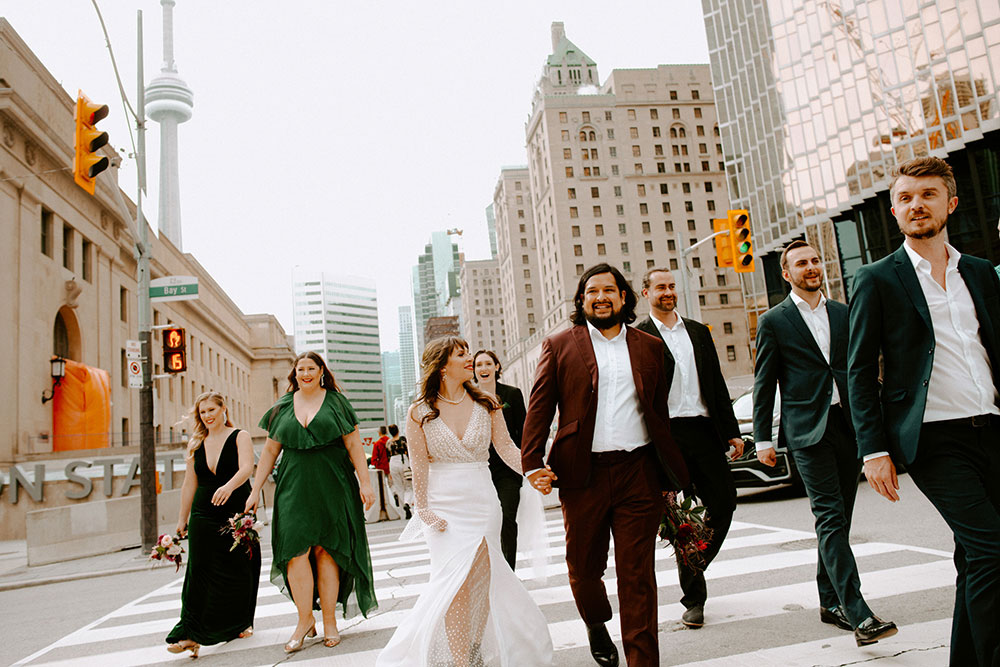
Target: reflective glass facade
817	100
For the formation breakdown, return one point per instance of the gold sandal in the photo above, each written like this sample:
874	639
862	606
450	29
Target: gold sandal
177	647
330	642
298	644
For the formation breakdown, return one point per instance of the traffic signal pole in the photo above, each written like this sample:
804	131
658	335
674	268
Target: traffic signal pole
691	306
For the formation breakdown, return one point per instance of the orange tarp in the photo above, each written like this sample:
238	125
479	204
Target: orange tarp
81	409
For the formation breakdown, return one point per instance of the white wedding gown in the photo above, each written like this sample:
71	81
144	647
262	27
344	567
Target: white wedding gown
474	610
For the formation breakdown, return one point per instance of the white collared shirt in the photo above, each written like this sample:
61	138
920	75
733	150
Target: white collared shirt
619	425
684	399
818	321
961	382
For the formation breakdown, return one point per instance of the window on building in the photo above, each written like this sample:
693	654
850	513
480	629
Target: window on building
562	117
647	246
586	171
520	213
569	172
611	133
564	135
619	209
664	188
676	150
673	94
661	167
579	269
721	280
527	273
643	208
671	244
640	189
700	130
595	192
724	299
673	264
607	115
731	352
718	148
124	368
677	167
67	247
624	247
521	227
633	133
687	166
618	191
631	114
701	299
614	170
586	116
627	267
653	114
578	250
567	153
722	166
677	114
575	230
704	166
708	186
689	206
123	304
668	225
571	193
658	149
46	224
573	212
695	94
656	131
710	204
597	211
696	263
666	207
645	227
600	249
715	130
583	136
524	259
612	151
697	112
702	148
524	242
727	327
598	230
87	260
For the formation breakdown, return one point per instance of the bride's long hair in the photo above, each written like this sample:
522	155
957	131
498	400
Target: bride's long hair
432	363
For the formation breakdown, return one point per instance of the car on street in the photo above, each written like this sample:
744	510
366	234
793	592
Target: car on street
747	471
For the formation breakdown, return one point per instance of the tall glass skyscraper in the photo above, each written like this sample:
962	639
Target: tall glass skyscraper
337	316
817	100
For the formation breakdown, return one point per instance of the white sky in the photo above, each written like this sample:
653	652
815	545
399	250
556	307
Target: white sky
339	135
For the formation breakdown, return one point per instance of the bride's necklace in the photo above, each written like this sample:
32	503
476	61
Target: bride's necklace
464	394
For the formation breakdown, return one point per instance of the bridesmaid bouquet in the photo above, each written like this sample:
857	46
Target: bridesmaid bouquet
683	525
245	529
168	547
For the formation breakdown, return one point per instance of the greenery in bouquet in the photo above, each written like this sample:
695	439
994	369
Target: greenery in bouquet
168	547
245	529
683	525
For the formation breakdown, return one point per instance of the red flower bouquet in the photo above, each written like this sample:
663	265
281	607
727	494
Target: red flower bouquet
168	547
245	529
683	525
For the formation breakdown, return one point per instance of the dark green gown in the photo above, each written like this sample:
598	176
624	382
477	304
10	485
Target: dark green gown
220	586
317	501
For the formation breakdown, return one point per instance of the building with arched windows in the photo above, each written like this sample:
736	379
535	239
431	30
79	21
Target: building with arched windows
68	277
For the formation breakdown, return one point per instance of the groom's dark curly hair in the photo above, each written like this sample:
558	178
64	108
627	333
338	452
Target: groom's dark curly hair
627	315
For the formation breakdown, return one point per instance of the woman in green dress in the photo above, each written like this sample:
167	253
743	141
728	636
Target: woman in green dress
318	537
220	585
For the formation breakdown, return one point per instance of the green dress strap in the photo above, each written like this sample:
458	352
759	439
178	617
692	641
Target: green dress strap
335	419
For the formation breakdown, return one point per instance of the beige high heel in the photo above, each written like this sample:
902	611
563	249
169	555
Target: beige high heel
297	644
330	641
177	647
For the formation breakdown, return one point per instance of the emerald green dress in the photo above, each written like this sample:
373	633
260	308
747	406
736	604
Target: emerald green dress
317	499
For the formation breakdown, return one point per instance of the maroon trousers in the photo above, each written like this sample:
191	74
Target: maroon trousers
623	499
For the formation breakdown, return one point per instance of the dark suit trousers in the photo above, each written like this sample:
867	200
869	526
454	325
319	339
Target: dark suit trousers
509	491
623	499
958	469
830	471
715	489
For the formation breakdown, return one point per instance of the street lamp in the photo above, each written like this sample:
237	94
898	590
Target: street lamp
58	372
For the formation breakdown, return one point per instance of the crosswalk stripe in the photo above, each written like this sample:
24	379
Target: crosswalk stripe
567	634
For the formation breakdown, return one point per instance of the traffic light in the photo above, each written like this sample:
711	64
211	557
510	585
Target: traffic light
742	239
723	242
87	163
174	350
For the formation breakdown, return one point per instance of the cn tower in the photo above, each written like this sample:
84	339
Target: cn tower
169	102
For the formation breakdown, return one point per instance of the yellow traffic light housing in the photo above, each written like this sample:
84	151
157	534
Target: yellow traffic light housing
87	163
741	237
723	242
174	350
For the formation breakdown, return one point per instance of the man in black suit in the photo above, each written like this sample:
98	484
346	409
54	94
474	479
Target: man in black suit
802	349
934	316
701	420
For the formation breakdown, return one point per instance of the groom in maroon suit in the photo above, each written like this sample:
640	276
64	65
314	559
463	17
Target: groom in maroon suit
611	458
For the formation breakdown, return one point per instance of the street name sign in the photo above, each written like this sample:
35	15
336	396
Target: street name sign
134	374
173	288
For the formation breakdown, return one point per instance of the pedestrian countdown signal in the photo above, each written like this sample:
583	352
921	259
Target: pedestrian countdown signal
174	350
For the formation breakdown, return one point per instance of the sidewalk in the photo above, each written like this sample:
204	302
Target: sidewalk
15	572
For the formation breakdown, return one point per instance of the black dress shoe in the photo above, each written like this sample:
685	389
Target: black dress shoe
601	647
835	616
694	617
873	629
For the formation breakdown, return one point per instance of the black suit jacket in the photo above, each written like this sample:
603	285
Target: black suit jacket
889	314
788	357
512	401
712	383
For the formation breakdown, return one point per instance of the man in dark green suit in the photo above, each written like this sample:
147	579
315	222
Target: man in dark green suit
701	420
802	349
934	316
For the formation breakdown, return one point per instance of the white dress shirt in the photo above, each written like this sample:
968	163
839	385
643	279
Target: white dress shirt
818	322
961	382
619	424
684	399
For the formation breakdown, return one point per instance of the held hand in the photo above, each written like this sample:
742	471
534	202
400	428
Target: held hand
252	500
767	456
181	529
542	480
221	495
367	496
881	476
737	444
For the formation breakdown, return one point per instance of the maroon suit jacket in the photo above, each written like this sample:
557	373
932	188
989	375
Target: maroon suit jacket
566	379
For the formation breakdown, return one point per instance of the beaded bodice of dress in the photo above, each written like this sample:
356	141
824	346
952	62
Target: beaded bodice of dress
474	446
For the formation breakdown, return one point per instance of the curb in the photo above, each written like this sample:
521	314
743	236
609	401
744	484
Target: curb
15	585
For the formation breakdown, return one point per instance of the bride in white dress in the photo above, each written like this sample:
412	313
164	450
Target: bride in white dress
474	610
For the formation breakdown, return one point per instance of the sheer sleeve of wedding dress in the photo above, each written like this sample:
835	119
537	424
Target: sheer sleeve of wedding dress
418	464
502	442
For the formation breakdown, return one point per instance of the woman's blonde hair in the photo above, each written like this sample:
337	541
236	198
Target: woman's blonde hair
200	430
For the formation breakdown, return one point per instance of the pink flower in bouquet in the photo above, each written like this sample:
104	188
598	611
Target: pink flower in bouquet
166	540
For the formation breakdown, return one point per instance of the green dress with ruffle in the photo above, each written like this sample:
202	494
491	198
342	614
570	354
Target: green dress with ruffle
317	499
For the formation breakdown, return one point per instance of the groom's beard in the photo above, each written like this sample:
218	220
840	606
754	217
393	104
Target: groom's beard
604	323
